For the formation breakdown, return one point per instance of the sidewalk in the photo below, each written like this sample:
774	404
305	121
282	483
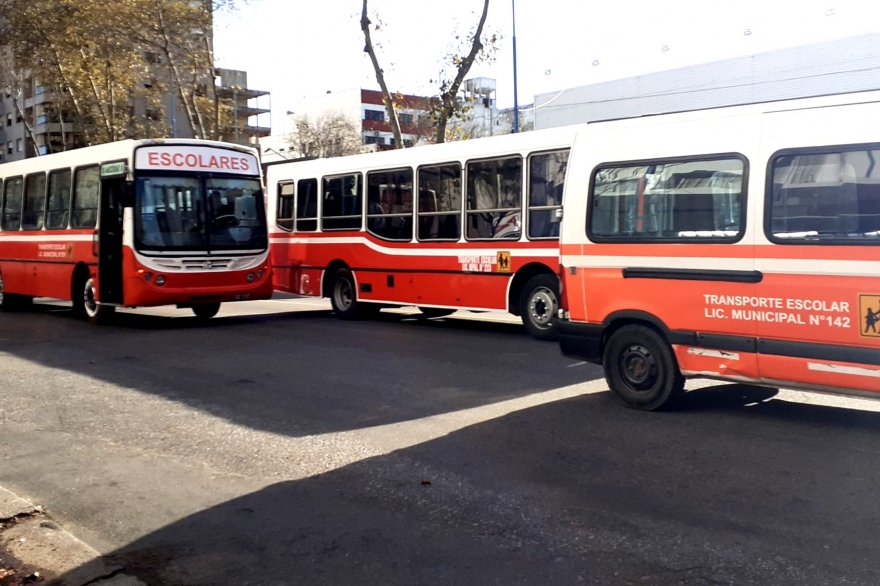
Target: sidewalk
34	548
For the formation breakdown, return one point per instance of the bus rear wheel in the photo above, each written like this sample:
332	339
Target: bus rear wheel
205	311
434	312
539	306
12	302
343	298
96	313
641	369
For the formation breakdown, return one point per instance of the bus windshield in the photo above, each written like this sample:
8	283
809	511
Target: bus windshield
192	213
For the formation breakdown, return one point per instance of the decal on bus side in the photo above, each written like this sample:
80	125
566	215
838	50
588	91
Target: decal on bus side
869	315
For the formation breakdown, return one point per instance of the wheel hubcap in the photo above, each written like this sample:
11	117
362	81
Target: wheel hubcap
639	368
543	307
344	295
89	301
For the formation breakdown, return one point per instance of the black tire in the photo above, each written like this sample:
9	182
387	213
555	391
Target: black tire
434	312
205	311
96	313
343	298
641	369
12	302
539	307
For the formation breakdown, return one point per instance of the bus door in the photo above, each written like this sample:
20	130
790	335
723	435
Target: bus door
113	191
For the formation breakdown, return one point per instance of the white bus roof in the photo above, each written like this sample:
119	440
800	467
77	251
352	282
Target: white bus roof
113	151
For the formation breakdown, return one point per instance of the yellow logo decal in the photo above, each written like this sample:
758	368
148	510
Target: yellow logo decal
869	315
503	262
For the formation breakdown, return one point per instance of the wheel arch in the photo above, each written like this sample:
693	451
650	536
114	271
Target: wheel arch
619	319
518	283
80	271
327	276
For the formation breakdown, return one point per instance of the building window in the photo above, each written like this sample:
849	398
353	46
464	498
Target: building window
683	199
374	140
546	181
494	199
376	115
9	119
19	145
343	202
405	119
9	147
440	202
390	204
827	195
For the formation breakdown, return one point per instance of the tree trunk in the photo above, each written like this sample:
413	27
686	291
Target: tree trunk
451	94
380	77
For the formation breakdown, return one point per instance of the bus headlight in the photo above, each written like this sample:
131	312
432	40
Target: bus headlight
251	277
160	280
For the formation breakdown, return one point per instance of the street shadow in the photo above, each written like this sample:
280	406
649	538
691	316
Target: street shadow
721	491
298	372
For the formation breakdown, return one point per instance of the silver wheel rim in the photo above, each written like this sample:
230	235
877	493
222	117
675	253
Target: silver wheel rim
343	294
543	307
89	302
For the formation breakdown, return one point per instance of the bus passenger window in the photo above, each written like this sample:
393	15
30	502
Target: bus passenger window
440	202
307	205
12	204
546	181
494	199
87	188
34	202
343	201
284	215
57	208
672	200
830	196
390	204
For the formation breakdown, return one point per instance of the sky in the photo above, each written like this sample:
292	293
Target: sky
303	48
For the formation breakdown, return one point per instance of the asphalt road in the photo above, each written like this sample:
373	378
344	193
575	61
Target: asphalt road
277	445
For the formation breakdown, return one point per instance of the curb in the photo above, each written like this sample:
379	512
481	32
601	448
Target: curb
51	554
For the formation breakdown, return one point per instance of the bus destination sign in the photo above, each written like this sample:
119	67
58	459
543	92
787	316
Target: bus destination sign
195	158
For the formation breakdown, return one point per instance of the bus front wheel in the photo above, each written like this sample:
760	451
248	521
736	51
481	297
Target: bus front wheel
539	306
641	369
205	311
96	313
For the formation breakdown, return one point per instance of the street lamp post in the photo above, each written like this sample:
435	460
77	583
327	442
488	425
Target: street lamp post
515	96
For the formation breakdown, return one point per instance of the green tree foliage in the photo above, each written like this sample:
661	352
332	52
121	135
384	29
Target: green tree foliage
110	64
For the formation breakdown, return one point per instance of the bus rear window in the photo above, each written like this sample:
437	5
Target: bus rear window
829	195
699	199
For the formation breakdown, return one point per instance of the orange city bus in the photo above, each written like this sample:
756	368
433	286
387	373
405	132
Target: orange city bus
468	225
135	224
740	244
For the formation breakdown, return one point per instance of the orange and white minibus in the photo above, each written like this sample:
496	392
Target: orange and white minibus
135	224
740	244
468	225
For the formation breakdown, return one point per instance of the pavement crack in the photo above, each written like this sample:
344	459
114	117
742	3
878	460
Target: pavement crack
108	576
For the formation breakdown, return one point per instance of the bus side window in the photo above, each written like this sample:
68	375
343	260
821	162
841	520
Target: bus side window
343	198
284	213
390	204
58	205
546	181
494	199
307	205
12	192
86	191
34	202
439	209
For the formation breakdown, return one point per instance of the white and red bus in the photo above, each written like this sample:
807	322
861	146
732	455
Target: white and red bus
468	225
740	244
135	224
